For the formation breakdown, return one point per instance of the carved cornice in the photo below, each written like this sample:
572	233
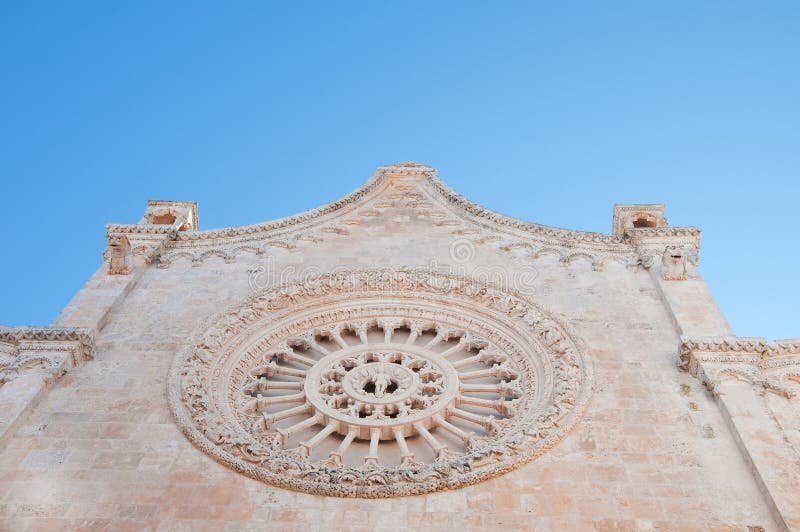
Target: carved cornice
734	344
571	238
289	222
432	199
141	229
761	362
655	245
663	232
49	349
80	335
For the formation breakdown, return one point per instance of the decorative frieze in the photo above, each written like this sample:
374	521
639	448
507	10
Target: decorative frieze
770	365
50	351
640	238
408	189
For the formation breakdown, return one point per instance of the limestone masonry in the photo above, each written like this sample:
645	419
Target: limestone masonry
398	359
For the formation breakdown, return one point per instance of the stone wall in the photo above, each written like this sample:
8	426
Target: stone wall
653	448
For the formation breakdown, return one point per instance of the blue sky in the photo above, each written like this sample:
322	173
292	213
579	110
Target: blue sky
550	112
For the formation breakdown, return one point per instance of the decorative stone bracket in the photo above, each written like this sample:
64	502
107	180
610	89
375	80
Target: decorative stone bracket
672	251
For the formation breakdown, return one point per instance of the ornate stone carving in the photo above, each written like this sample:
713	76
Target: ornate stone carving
415	189
48	350
403	187
771	365
660	243
119	249
673	263
376	383
549	235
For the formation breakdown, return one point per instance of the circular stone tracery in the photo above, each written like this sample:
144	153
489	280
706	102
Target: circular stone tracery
380	387
394	379
379	383
374	384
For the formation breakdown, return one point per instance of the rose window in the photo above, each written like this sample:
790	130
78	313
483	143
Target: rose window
378	383
392	383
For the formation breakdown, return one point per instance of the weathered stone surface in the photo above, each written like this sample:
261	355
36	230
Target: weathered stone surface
605	348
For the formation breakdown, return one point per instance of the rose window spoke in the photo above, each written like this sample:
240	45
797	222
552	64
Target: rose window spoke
400	384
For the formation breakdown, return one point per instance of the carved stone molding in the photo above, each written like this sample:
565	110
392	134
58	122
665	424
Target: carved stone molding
771	365
123	246
48	350
416	187
764	434
674	249
403	186
564	237
379	383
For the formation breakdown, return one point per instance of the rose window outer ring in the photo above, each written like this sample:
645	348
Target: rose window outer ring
214	390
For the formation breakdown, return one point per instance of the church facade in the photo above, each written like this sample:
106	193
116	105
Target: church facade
399	359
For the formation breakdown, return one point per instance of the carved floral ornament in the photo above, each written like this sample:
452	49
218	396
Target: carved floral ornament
379	383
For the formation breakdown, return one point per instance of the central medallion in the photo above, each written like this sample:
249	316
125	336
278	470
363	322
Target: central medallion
377	388
376	381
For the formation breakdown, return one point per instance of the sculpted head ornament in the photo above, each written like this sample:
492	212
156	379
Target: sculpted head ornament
119	249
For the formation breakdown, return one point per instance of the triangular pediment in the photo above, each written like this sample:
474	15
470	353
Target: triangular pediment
404	186
397	201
